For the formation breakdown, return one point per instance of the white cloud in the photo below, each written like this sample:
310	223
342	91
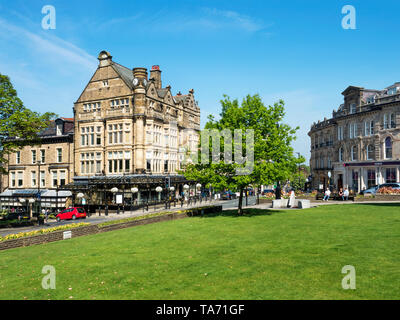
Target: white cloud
49	46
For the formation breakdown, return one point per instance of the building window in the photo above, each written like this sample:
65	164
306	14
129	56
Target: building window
18	157
391	175
119	103
388	148
59	129
353	130
340	133
370	152
42	178
115	135
33	178
392	119
353	153
59	155
43	156
33	156
88	107
13	179
371	181
62	178
20	179
341	154
55	180
368	128
353	108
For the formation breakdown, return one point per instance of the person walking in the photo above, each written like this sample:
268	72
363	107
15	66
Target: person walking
327	195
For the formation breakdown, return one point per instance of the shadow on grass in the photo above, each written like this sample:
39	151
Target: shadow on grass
247	213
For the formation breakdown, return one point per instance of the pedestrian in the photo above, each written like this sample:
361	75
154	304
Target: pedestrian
346	194
327	195
46	216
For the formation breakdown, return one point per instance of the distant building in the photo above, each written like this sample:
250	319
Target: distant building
360	144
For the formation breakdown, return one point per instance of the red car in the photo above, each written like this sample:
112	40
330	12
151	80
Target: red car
71	213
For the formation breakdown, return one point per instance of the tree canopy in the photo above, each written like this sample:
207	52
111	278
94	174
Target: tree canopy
19	126
273	156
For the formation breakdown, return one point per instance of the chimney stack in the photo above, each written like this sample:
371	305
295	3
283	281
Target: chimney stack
155	74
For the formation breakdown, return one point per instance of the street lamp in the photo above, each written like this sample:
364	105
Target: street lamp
31	202
198	186
133	190
114	191
186	188
172	189
158	190
329	180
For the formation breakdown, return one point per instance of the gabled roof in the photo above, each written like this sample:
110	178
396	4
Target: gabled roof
125	73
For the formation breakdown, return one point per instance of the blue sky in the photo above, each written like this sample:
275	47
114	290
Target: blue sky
293	50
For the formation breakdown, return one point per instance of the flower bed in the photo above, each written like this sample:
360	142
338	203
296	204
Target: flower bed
388	191
42	231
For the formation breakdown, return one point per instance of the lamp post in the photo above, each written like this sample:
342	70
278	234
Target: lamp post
158	190
198	189
31	202
172	189
329	179
114	192
22	200
186	188
133	190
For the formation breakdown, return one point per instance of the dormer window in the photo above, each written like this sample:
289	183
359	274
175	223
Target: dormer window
371	99
59	129
353	108
392	91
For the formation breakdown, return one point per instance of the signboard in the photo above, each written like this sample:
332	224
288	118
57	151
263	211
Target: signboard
118	199
67	235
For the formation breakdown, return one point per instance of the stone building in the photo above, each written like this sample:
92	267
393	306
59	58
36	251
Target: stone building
360	144
128	131
39	171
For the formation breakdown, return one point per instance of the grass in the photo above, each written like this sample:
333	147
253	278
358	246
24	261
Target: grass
263	255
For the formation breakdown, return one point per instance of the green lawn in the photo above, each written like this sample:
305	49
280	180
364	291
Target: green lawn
264	255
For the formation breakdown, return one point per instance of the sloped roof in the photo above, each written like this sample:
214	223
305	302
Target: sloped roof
125	73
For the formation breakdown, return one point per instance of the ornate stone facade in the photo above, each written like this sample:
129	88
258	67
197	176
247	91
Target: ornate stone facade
126	123
360	144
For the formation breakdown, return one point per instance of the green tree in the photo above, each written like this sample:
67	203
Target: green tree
19	126
273	155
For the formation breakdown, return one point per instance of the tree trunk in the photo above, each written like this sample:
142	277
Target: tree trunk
240	209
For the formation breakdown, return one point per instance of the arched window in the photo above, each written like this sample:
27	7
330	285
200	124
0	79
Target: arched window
388	148
341	154
353	153
370	152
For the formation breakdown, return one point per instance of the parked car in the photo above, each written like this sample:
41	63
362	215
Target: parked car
268	191
71	213
373	190
228	195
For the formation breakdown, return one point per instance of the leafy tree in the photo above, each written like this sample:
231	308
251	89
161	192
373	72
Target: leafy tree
19	126
273	154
